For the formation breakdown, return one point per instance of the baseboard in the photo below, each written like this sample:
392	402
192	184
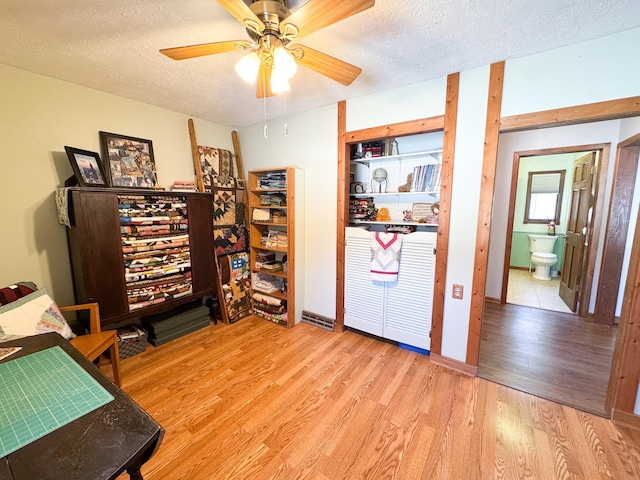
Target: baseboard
457	365
625	419
492	300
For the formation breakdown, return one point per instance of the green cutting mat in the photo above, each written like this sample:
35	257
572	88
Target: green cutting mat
42	392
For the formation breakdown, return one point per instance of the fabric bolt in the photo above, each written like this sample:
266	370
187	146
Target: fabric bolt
385	256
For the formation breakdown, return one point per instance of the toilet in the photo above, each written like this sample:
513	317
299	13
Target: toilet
542	256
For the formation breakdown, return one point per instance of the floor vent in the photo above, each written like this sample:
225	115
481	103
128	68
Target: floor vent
318	320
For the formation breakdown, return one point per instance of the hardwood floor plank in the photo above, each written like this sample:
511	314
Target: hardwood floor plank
253	400
555	355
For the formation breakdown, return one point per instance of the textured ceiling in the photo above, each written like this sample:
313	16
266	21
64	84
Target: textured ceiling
113	46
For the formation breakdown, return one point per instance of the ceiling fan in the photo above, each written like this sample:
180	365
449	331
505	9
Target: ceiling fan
272	54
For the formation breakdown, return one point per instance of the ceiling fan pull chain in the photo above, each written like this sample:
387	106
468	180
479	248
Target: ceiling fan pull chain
264	106
286	125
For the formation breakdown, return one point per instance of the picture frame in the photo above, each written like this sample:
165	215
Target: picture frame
420	211
87	167
129	161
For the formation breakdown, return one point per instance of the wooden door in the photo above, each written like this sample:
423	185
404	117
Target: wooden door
577	229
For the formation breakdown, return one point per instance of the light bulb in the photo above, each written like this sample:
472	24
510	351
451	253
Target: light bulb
284	63
247	67
279	83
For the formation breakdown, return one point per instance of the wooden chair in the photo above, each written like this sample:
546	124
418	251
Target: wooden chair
96	342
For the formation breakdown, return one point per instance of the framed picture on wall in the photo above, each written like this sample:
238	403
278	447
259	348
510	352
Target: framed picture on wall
129	161
87	167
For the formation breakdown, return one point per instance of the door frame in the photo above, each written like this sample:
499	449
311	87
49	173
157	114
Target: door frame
629	334
624	181
586	282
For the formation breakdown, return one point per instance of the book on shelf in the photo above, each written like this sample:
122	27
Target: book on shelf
426	178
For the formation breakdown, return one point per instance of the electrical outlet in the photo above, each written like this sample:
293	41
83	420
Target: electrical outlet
457	291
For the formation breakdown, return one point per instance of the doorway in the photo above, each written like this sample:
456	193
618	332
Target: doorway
550	195
545	353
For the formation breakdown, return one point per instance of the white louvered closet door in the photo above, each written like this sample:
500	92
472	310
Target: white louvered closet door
400	310
363	298
409	301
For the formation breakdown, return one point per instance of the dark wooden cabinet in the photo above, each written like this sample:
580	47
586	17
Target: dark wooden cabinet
95	249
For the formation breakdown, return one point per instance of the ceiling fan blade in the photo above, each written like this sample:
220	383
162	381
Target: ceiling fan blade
317	14
242	12
191	51
264	81
341	72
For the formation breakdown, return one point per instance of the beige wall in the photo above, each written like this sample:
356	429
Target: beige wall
39	116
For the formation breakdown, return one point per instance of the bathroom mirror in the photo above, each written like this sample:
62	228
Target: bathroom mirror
544	196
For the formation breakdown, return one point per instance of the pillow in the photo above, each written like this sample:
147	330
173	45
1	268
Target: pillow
14	292
32	314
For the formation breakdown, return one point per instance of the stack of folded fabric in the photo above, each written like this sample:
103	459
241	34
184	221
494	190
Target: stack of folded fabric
270	308
155	247
261	215
363	209
266	283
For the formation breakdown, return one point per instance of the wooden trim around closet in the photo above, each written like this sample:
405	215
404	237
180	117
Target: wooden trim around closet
485	205
442	244
411	127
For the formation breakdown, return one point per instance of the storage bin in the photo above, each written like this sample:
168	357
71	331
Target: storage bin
132	340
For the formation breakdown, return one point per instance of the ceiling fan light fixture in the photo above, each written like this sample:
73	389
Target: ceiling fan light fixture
247	67
284	63
279	82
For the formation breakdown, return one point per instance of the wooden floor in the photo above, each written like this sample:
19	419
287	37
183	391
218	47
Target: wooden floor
557	356
257	401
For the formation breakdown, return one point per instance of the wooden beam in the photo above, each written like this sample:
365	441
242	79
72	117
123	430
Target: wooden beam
240	173
592	112
487	184
442	244
195	155
411	127
342	213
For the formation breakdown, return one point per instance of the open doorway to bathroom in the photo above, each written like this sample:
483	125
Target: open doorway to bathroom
548	234
563	357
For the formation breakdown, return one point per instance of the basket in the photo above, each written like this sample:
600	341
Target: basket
132	340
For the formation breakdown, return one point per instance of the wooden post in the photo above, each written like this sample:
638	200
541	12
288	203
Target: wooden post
240	173
196	156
